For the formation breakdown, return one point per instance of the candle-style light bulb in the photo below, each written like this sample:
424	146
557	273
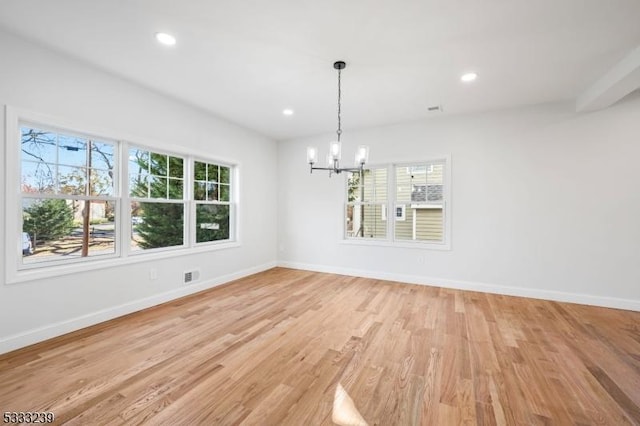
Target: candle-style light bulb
334	150
362	155
312	155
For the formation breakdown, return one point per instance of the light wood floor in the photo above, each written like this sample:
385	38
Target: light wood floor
271	349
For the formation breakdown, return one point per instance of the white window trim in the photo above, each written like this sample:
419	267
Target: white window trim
383	206
390	241
126	199
17	272
231	203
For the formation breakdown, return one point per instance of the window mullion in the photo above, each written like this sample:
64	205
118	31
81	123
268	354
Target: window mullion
391	200
189	202
123	238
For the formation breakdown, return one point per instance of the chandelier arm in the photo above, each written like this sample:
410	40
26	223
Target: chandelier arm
339	169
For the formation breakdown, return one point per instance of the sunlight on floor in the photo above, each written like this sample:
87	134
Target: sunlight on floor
345	412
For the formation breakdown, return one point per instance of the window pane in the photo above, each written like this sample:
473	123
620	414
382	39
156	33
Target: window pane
72	180
138	161
175	189
366	221
435	174
411	183
434	193
72	151
101	183
418	223
200	171
224	174
378	180
102	155
139	185
66	170
53	229
38	145
212	173
224	192
418	193
212	222
38	178
157	187
158	164
212	192
157	225
199	190
371	187
175	167
353	186
166	177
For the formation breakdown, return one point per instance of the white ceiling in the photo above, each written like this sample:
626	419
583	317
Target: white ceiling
247	60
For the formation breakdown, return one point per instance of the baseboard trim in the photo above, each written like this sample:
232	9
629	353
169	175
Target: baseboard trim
40	334
559	296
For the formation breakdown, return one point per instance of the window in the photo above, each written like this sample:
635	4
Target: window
416	193
212	195
156	191
420	194
68	196
83	198
366	204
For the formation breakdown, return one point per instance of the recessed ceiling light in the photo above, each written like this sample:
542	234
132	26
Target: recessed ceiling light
166	39
287	111
469	77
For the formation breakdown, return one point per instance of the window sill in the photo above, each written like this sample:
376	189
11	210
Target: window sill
44	272
397	244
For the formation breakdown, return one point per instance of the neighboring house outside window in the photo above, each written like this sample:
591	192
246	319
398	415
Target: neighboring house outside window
420	193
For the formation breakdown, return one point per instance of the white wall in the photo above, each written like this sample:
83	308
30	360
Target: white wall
546	203
44	82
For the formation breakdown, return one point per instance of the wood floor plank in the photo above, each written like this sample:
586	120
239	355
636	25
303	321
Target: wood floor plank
272	348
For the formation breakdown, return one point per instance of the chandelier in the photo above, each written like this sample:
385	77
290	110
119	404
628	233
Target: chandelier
335	147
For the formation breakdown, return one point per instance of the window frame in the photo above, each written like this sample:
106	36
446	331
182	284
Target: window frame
423	167
373	203
391	204
231	203
17	272
128	198
57	195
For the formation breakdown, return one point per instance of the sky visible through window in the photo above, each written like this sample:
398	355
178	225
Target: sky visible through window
61	164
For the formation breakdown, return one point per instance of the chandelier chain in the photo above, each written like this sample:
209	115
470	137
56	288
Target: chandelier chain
339	131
